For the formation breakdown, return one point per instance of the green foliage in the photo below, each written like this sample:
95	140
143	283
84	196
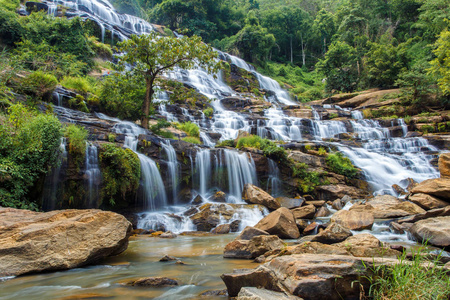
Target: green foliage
427	128
208	112
78	84
341	165
226	143
157	129
308	180
415	279
269	148
39	84
78	102
102	50
77	139
190	128
29	144
333	115
440	65
192	140
121	170
11	5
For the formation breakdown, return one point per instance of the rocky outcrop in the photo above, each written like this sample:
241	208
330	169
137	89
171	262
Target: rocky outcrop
439	187
353	220
387	207
434	231
33	242
256	246
427	202
366	245
444	165
255	195
222	229
281	223
334	233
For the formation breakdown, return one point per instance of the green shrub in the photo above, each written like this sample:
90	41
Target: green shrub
208	112
269	148
333	115
40	84
78	102
102	50
192	140
190	128
427	128
416	279
78	84
226	143
121	171
77	138
157	129
10	5
341	165
322	151
308	181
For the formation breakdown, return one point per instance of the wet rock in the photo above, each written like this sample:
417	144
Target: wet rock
46	237
222	229
311	228
198	200
438	187
168	235
427	202
323	212
234	226
153	282
167	258
255	195
253	248
444	164
219	196
179	262
434	230
387	207
334	233
397	228
353	220
301	224
338	204
214	293
249	232
290	202
252	293
399	189
304	212
281	223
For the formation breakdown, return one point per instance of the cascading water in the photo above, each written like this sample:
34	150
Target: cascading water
274	181
241	170
173	168
93	176
203	169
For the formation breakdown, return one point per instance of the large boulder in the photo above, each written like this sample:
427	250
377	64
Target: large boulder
387	207
444	165
248	249
252	293
249	232
290	202
33	242
366	245
309	276
334	233
436	231
281	223
353	220
427	202
304	212
332	192
438	187
255	195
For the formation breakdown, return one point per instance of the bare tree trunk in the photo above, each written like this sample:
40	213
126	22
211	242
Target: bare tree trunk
292	55
303	50
146	105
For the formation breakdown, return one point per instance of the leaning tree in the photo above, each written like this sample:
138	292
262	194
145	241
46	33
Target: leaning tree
150	55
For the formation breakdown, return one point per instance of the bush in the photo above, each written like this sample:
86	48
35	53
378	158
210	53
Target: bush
208	112
192	140
341	165
308	181
269	148
77	138
40	84
157	129
226	143
10	5
78	84
190	128
121	170
102	50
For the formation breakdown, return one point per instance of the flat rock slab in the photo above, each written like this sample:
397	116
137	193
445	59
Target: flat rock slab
32	242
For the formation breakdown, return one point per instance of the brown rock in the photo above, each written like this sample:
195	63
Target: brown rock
337	191
316	248
249	232
219	196
168	235
323	212
334	233
252	293
167	258
255	195
427	202
214	293
387	207
316	203
439	187
353	220
444	164
33	242
366	245
399	189
253	248
281	223
338	204
153	282
311	229
438	212
434	230
304	212
222	229
301	224
290	202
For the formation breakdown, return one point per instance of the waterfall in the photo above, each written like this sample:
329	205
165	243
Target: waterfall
173	167
203	169
274	181
93	176
241	170
269	84
357	115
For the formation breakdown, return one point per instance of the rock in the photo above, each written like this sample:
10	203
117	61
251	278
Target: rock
316	248
253	248
353	220
337	191
334	233
438	212
338	204
249	232
33	242
219	196
198	200
179	262
316	203
234	226
323	212
168	235
399	189
311	229
438	187
281	223
366	245
222	229
304	212
153	282
309	276
444	164
427	202
434	230
252	293
387	207
167	258
255	195
301	224
214	293
290	202
346	199
397	228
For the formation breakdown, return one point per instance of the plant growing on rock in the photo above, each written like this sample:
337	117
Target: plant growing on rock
190	128
151	55
77	138
341	165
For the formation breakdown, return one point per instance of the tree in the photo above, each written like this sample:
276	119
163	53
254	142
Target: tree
151	55
440	66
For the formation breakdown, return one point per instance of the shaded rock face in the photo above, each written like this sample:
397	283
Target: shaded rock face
222	229
255	195
249	232
353	220
58	240
281	223
434	230
387	207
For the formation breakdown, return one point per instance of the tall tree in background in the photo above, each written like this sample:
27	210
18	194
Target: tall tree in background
150	55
